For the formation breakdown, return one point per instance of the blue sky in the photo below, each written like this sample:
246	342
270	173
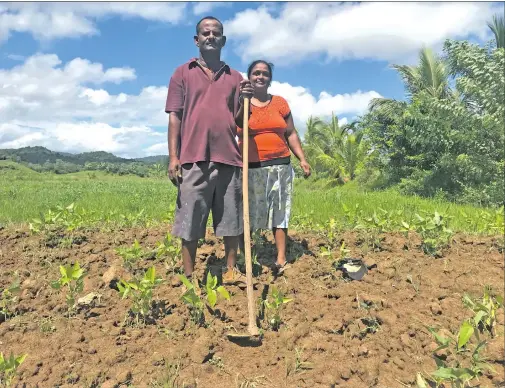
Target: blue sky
80	77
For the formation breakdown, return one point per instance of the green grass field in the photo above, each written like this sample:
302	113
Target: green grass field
24	194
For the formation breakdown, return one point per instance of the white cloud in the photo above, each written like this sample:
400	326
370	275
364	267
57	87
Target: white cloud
16	57
304	104
204	7
73	19
82	137
42	88
97	97
157	149
382	31
67	107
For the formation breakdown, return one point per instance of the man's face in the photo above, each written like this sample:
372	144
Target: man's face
210	36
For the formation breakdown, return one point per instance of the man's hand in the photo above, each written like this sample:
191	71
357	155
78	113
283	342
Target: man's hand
305	167
174	171
246	89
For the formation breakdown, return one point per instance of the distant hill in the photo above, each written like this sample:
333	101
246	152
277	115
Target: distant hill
41	155
153	159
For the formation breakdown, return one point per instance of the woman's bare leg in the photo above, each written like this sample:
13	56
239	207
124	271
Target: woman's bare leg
280	235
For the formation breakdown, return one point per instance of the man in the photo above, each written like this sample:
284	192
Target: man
204	96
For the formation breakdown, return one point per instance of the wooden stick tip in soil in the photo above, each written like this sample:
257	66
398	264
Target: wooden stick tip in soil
245	339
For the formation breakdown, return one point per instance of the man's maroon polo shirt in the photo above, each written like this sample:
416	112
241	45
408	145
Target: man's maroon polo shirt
208	108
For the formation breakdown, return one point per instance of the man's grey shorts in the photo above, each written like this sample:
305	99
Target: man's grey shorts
209	186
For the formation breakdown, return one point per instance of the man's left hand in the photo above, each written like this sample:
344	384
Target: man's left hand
246	89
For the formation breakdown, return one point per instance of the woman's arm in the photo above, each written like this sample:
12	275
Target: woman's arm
295	145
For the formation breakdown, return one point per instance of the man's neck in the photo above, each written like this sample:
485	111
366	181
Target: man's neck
213	62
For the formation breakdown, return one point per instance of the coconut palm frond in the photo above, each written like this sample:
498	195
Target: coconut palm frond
434	74
497	26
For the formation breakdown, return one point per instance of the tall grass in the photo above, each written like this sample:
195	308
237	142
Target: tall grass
25	194
322	202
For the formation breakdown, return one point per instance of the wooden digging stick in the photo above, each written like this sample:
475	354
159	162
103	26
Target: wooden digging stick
253	329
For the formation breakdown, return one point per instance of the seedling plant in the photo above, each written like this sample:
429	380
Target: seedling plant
141	292
131	255
9	367
484	310
373	227
461	361
196	302
435	233
8	298
170	250
72	277
273	306
67	218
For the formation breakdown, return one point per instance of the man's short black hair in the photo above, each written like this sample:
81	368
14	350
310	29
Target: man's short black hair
208	18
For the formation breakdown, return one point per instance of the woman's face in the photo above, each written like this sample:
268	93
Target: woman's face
260	77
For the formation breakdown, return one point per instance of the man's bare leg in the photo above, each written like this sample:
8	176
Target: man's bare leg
232	275
241	244
231	244
189	256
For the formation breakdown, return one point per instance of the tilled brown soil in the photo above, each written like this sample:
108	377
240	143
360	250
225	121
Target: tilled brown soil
368	333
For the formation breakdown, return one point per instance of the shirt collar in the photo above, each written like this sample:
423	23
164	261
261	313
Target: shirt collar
193	62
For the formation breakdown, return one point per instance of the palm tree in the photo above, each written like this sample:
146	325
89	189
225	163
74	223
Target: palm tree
352	153
333	149
498	28
430	77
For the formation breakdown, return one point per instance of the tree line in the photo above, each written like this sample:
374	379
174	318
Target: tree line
445	140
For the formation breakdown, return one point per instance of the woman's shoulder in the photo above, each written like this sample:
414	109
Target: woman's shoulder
278	99
281	104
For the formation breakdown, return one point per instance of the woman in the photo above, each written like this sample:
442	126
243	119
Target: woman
272	138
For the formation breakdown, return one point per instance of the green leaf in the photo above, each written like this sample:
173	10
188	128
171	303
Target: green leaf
464	374
485	365
444	373
223	292
13	288
441	347
465	333
478	317
191	298
208	283
133	285
420	381
185	281
480	306
212	298
468	301
150	274
439	362
440	340
55	284
63	271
